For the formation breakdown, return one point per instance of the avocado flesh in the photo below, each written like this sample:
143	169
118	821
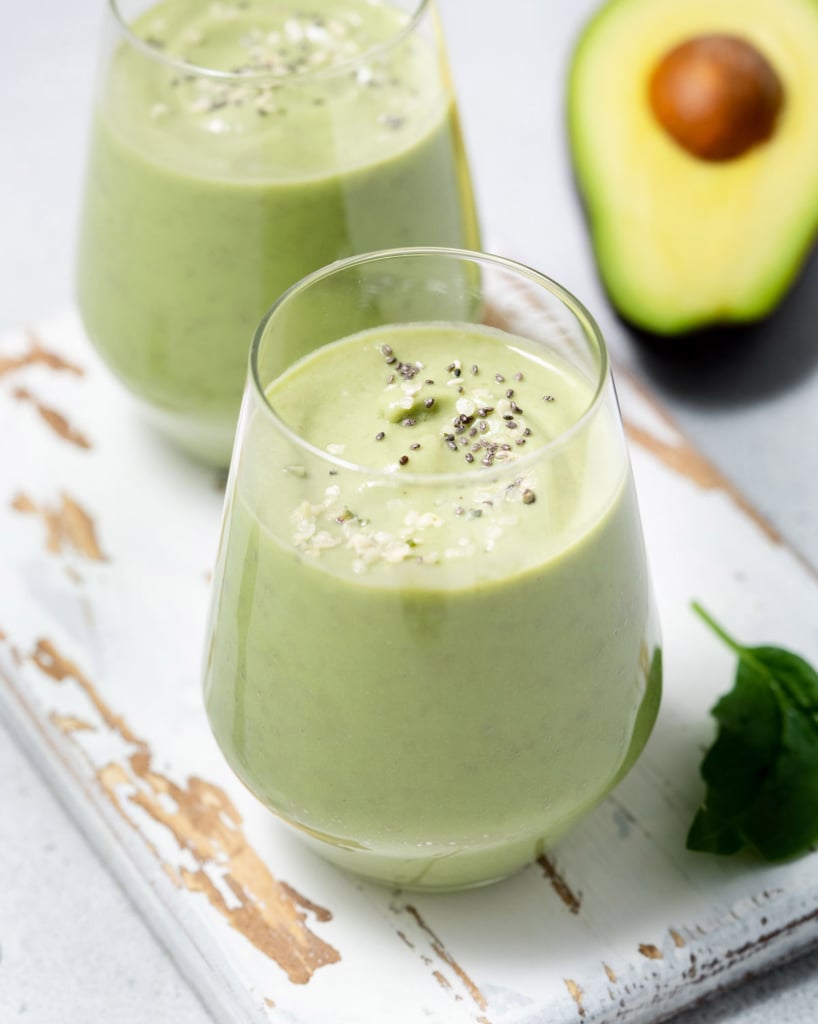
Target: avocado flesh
683	243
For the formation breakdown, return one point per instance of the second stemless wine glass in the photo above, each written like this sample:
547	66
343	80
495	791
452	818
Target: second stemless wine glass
237	146
432	645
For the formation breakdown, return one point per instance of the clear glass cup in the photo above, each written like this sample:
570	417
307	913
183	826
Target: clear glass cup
432	644
236	147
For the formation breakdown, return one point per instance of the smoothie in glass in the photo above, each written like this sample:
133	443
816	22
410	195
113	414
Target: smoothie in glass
432	646
236	147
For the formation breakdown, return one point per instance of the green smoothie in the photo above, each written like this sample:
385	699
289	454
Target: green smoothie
330	131
432	649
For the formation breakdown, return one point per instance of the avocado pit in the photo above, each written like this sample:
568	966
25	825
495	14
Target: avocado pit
717	96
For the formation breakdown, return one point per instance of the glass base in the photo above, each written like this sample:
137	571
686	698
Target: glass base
440	870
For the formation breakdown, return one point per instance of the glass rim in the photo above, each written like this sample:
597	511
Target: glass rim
178	64
590	329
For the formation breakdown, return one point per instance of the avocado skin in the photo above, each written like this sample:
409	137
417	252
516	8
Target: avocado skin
682	245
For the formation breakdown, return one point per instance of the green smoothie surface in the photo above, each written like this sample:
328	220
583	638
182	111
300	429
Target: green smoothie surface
430	398
461	415
268	37
278	87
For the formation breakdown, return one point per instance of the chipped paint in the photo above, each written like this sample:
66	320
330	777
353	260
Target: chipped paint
559	885
207	828
441	951
70	723
576	994
113	775
321	913
611	974
53	419
650	951
59	668
740	954
681	457
38	354
68	526
441	979
678	940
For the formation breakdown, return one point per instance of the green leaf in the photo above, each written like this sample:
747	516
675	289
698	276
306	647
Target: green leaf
762	770
747	744
710	833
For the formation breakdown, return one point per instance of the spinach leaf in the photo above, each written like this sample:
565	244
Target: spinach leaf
762	770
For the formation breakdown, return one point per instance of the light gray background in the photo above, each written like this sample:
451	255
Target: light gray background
72	948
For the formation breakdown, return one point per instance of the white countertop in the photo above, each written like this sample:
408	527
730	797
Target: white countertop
72	948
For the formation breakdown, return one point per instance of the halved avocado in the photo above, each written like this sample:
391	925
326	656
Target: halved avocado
693	127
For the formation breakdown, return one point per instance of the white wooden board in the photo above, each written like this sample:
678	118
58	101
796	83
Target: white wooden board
106	542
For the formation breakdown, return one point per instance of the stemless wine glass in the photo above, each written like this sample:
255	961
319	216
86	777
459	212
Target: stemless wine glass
236	147
432	644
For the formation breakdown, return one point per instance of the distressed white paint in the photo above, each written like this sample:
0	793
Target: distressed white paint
134	624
